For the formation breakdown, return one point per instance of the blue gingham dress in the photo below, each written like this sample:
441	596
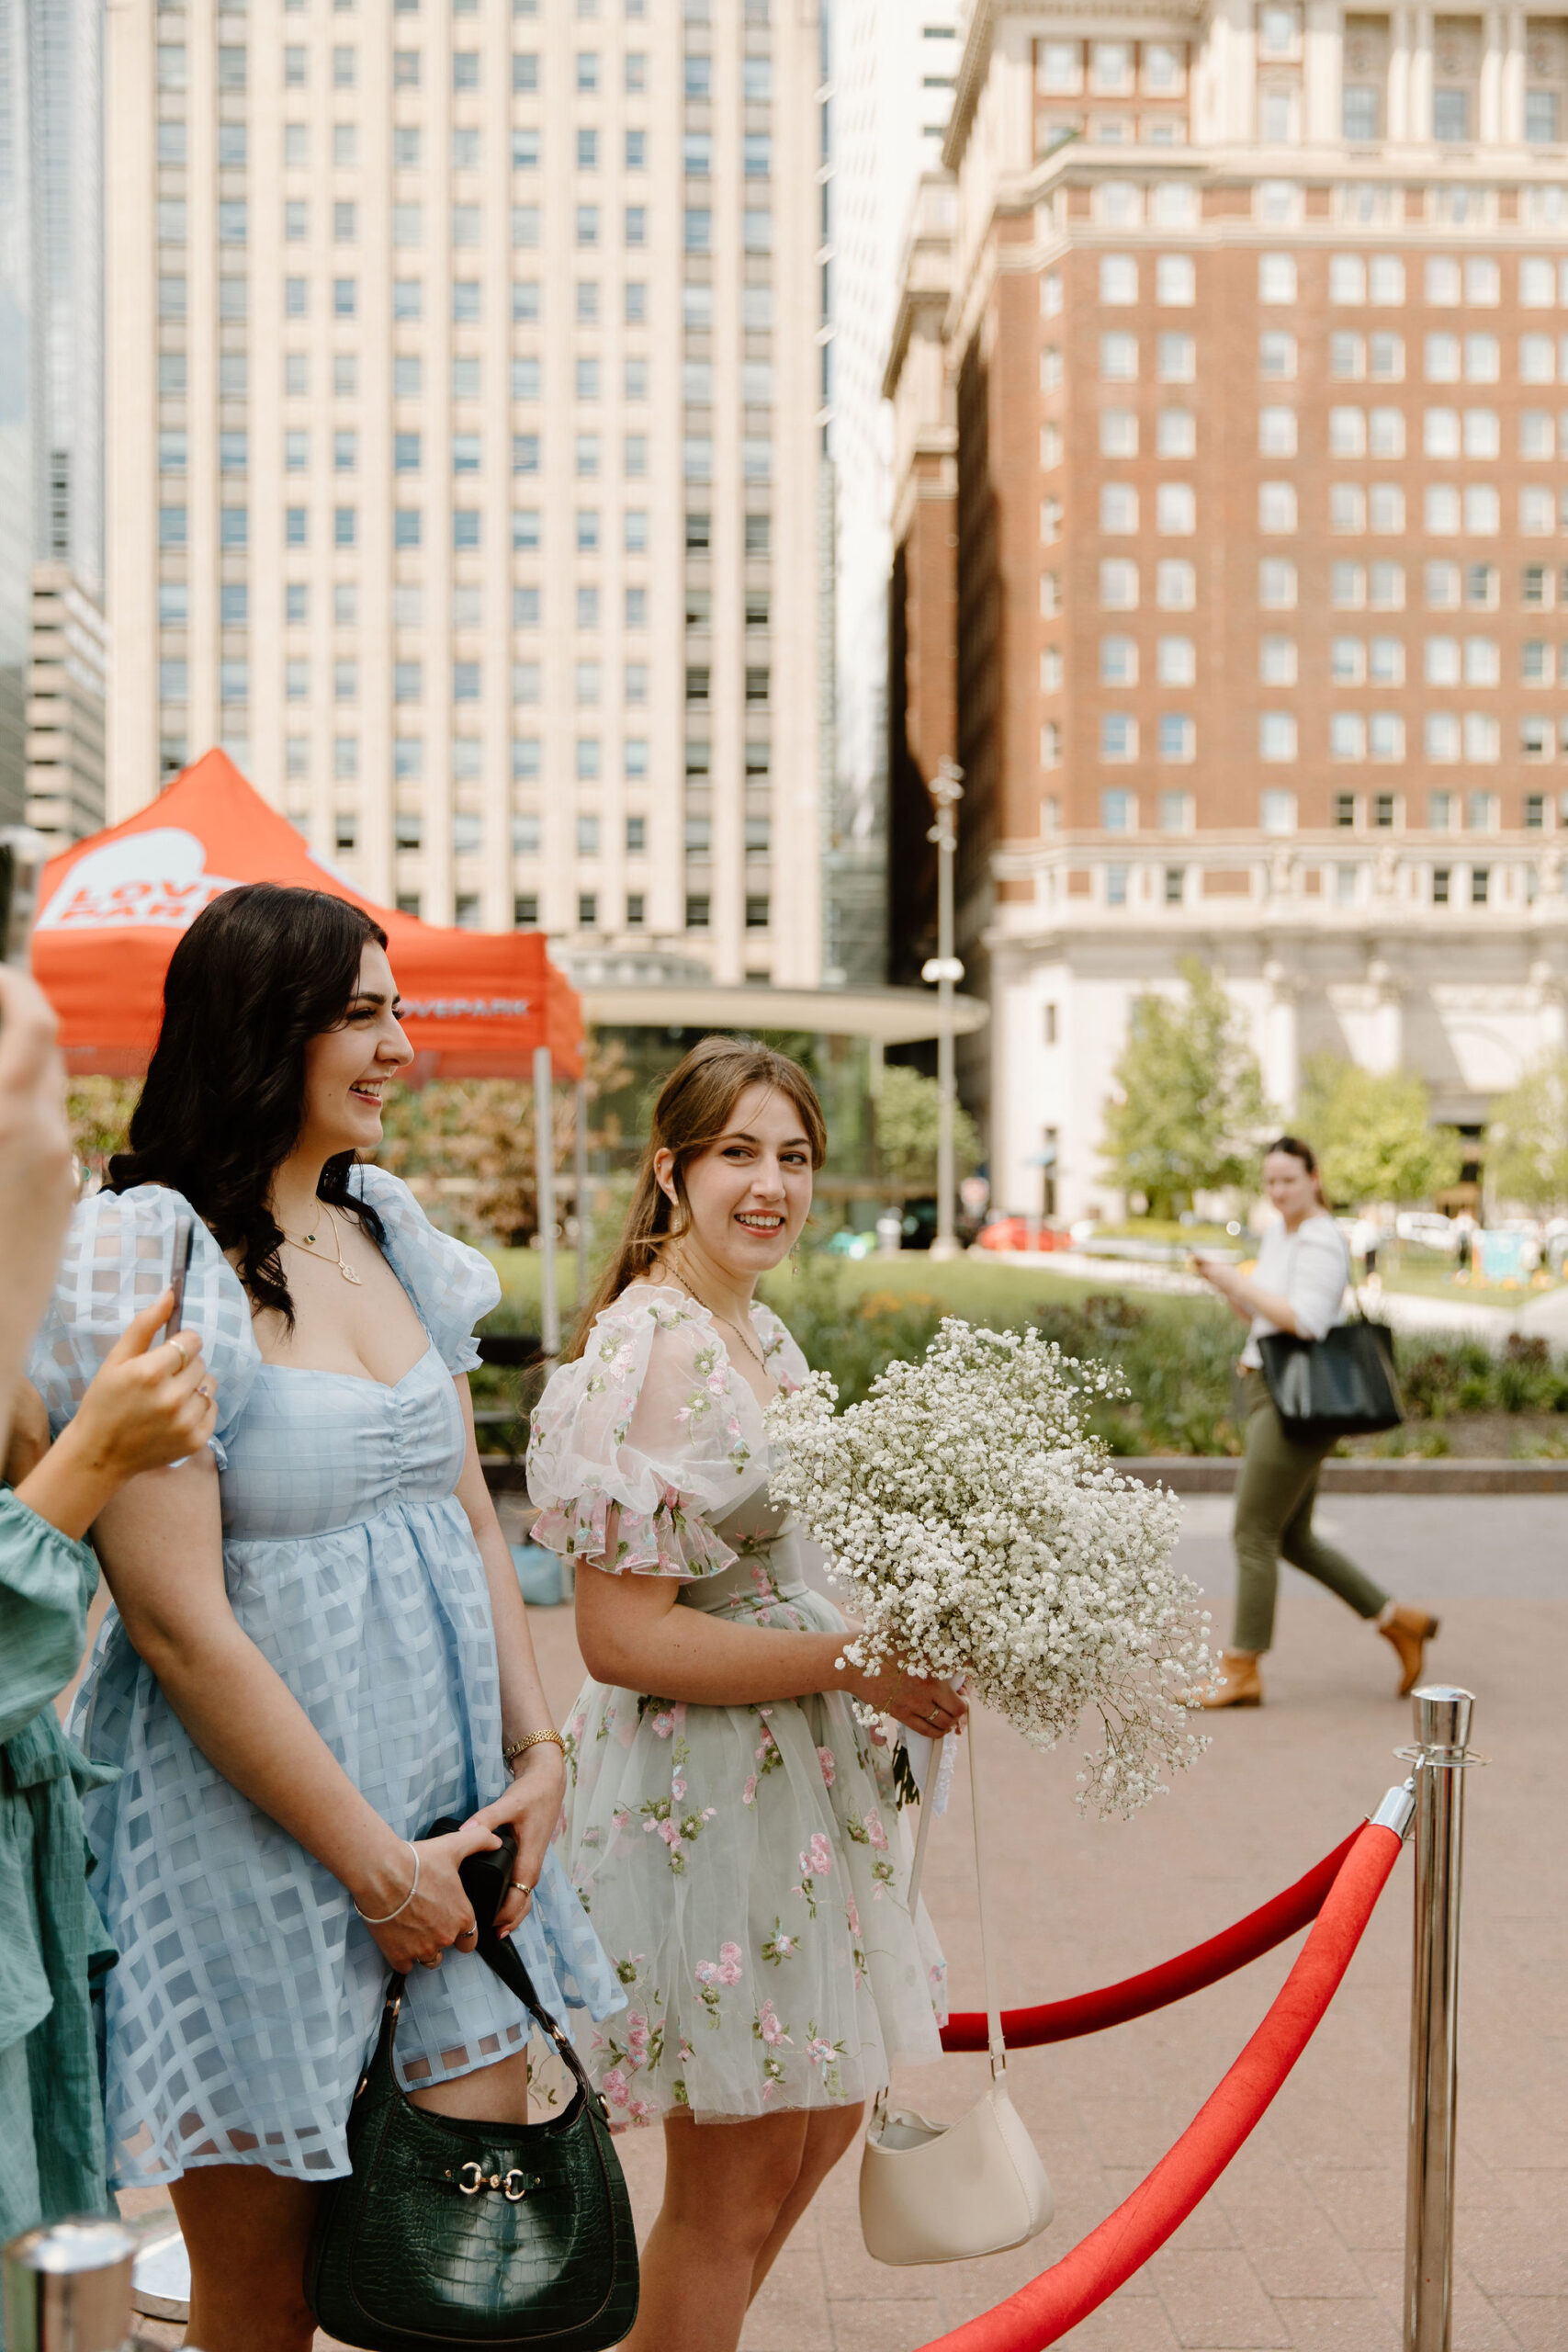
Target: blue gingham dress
247	1994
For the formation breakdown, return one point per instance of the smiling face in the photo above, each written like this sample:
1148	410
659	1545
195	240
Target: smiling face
1291	1187
749	1190
346	1068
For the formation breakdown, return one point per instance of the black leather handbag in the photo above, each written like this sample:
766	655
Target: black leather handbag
1345	1384
450	2234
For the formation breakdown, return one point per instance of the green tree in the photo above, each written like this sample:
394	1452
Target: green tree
99	1111
1187	1103
907	1110
466	1145
1372	1133
1527	1140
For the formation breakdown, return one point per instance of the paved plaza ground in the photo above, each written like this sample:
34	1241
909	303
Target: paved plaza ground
1299	2244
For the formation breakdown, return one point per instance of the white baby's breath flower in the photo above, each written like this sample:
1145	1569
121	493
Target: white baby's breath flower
981	1530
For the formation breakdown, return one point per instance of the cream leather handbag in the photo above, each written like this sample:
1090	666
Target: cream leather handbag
945	2192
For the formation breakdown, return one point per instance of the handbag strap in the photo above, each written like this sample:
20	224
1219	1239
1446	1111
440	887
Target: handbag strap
502	1956
995	2042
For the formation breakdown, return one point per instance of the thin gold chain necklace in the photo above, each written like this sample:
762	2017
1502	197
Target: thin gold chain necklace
345	1269
749	1344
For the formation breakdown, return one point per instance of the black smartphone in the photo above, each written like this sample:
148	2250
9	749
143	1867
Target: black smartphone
487	1878
184	1240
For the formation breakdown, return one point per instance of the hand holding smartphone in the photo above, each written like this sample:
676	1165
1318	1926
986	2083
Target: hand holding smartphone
184	1241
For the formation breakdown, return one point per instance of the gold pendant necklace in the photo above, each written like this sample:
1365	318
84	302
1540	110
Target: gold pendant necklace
345	1269
749	1344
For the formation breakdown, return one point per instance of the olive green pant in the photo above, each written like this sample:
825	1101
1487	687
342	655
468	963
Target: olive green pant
1274	1498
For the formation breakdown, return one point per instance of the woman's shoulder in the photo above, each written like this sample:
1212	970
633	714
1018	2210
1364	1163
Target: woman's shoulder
119	1256
452	1284
782	1351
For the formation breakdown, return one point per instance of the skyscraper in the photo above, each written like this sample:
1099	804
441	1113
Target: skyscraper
890	67
465	461
1238	589
51	424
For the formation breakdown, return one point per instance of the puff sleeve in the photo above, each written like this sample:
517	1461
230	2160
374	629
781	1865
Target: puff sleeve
451	1287
652	1420
119	1256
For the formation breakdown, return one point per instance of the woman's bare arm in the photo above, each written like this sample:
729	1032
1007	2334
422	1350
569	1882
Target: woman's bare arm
634	1636
160	1541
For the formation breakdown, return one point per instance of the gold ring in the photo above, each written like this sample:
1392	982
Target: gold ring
429	1963
177	1339
521	1886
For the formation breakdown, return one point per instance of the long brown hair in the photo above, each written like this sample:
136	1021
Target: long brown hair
695	1104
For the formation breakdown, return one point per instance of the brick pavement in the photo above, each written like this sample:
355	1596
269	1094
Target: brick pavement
1299	2244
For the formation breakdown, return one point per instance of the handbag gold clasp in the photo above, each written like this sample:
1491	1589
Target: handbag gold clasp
513	2186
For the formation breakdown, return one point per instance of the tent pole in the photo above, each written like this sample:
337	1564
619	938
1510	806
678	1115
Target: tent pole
545	1177
579	1168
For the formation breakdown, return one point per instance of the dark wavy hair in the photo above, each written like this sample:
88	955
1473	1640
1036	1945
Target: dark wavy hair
260	971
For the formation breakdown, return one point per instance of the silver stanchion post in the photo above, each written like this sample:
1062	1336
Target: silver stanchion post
1439	1755
67	2288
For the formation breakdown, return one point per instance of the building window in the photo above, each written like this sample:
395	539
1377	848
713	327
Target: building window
1118	585
1277	735
698	911
1440	878
1118	737
1116	886
1178	736
1480	885
1277	506
1277	812
1277	585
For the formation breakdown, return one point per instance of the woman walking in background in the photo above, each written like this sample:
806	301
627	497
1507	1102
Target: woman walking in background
319	1648
730	1827
1297	1286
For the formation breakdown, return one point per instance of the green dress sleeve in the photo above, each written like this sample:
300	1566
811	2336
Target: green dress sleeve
47	1584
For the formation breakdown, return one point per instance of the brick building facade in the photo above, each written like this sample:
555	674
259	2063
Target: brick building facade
1232	534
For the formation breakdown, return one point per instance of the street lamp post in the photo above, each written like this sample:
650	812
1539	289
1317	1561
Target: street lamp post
946	789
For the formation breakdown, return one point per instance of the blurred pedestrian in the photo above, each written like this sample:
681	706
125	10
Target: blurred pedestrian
1298	1285
319	1648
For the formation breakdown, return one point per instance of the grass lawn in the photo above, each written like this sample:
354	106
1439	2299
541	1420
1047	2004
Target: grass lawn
1422	1281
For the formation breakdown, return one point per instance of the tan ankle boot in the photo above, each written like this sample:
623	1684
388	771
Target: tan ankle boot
1409	1630
1237	1684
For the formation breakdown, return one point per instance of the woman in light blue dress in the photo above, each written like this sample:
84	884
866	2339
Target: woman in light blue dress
319	1646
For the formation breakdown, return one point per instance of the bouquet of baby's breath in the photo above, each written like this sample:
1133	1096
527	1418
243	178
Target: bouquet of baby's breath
982	1531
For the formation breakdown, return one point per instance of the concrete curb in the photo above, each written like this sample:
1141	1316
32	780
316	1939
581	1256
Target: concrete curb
1217	1473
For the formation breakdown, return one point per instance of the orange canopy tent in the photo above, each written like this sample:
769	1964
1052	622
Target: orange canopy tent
476	1003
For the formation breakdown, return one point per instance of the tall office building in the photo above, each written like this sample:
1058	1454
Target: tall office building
52	423
1233	544
889	77
465	460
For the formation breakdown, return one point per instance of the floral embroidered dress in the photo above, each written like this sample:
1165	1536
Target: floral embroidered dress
248	1995
745	1866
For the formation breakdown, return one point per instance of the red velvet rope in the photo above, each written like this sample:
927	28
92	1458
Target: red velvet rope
1188	1971
1041	2313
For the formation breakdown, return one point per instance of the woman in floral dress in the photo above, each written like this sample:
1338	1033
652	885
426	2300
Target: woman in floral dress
730	1828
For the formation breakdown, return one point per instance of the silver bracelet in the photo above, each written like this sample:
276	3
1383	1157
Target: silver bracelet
408	1898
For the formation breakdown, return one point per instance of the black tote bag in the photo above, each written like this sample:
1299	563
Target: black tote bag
1345	1384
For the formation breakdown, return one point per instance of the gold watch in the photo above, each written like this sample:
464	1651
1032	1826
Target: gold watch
516	1747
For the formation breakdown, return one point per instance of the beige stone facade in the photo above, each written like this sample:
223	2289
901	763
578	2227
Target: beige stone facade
1234	341
464	451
